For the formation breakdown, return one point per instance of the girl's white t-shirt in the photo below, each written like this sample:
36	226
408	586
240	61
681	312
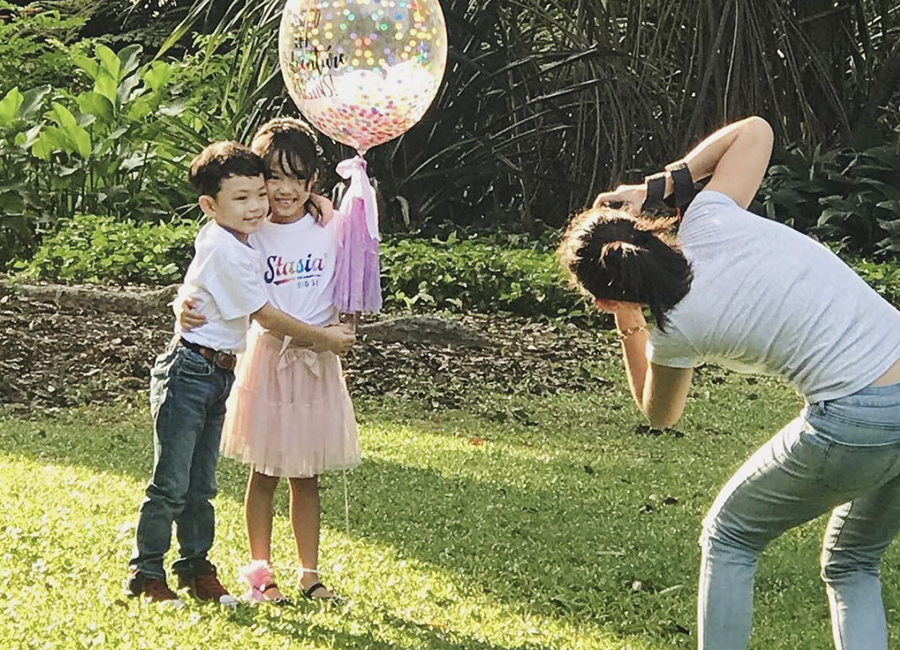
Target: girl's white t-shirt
766	298
298	261
224	280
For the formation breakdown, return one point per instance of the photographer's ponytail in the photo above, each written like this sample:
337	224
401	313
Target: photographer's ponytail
611	255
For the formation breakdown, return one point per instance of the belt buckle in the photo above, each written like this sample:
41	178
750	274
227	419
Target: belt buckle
224	360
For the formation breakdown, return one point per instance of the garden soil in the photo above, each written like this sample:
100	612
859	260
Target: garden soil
72	353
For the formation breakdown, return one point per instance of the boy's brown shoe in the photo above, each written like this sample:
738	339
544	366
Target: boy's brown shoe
205	585
153	589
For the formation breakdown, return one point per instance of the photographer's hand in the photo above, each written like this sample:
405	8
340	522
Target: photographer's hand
631	198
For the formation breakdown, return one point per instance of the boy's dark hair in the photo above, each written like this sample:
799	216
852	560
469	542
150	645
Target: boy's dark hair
290	144
610	255
221	160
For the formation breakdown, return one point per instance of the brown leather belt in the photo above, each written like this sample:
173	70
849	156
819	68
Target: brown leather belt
223	360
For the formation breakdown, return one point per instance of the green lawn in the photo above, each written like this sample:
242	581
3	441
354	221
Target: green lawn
519	522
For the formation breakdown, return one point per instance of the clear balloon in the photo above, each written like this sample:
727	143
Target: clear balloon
363	71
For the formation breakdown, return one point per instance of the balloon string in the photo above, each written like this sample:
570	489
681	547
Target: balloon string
346	505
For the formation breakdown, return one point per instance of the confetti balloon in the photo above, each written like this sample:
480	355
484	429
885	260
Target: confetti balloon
363	71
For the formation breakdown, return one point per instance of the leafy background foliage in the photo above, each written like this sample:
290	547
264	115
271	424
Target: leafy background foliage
544	104
104	249
846	196
475	275
31	51
97	149
458	275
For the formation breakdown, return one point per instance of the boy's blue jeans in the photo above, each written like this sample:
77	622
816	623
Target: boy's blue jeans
187	402
841	456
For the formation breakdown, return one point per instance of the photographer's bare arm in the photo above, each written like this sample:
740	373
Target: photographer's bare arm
659	391
736	156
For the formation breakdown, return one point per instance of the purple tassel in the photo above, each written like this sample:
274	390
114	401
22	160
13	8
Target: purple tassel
356	286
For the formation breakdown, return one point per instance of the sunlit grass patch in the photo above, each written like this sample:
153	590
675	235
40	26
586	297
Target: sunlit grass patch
519	522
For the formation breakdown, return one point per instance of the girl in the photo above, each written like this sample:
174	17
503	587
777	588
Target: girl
749	293
289	414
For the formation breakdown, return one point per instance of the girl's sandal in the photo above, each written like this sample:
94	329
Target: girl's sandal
258	577
310	593
280	601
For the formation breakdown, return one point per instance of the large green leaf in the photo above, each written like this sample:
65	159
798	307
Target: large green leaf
86	63
129	59
32	102
80	139
139	109
50	140
109	62
29	137
10	105
107	86
126	86
96	104
63	116
158	74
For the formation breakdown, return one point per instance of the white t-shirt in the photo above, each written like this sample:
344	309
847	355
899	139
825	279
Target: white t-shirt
297	266
768	299
223	279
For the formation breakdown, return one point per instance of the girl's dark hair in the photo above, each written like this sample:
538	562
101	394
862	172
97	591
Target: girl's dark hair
221	160
290	144
610	255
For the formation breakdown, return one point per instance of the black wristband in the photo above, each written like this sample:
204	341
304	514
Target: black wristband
656	190
683	184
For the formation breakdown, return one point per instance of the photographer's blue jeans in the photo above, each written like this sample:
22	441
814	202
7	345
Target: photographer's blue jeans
841	456
187	402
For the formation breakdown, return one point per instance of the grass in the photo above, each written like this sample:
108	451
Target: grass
516	523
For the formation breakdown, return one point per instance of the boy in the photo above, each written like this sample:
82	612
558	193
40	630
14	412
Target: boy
192	378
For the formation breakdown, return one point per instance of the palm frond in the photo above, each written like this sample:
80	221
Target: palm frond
546	102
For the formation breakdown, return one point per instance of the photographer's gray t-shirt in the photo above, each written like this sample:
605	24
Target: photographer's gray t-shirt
770	300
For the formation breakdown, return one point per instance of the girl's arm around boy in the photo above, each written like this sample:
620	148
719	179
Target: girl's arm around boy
338	339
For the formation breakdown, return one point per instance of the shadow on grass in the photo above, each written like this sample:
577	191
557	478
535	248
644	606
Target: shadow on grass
579	550
304	631
547	537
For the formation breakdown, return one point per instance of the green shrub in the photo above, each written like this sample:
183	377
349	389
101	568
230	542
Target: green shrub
91	248
94	152
475	275
469	275
884	277
845	196
118	146
32	46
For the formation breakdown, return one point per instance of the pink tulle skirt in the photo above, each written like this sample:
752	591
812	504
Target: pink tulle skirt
289	414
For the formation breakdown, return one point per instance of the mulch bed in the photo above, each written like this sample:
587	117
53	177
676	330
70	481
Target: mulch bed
69	355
